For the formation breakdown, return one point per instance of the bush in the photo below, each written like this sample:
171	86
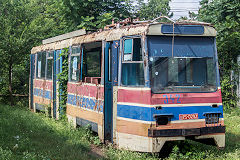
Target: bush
229	95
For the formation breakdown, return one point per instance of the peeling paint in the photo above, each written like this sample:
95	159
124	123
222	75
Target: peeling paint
116	34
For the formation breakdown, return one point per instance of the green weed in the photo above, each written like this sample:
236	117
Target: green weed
26	135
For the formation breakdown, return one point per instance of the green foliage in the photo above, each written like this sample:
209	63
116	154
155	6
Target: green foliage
14	37
89	136
26	135
40	19
62	82
229	98
92	15
24	23
224	14
5	154
153	9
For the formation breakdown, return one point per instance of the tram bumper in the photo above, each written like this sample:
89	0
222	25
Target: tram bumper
217	133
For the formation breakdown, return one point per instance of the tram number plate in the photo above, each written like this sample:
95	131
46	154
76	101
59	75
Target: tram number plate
188	116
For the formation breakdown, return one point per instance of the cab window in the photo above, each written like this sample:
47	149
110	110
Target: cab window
132	63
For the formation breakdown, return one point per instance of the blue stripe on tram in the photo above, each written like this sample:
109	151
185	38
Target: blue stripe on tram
41	93
85	102
146	113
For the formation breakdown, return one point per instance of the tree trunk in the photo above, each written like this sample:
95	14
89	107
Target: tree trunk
10	82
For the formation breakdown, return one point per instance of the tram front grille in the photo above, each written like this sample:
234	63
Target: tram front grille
212	119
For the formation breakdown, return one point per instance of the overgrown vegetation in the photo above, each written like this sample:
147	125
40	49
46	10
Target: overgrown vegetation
25	23
26	135
224	15
62	78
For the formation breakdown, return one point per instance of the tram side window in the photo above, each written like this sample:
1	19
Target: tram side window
41	64
49	64
91	62
92	66
132	64
75	64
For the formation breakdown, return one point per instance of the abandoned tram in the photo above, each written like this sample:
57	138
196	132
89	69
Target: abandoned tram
137	85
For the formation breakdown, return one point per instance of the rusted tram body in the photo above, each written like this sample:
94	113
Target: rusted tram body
137	86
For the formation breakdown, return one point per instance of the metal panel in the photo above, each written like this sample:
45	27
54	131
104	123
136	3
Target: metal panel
65	36
32	75
143	113
83	122
146	65
54	84
108	94
185	132
115	54
39	107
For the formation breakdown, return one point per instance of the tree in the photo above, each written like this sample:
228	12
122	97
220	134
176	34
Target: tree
13	27
225	16
153	9
92	14
23	24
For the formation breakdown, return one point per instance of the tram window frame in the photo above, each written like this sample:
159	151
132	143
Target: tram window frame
90	78
75	52
110	64
41	57
49	57
131	61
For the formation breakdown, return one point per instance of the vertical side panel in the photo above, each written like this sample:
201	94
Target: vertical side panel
58	70
115	58
81	61
32	74
115	54
107	94
146	66
54	84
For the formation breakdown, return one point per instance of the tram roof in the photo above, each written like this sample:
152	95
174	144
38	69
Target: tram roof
71	39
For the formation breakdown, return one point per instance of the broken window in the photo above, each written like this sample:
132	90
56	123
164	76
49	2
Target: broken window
132	64
91	71
75	64
49	65
41	64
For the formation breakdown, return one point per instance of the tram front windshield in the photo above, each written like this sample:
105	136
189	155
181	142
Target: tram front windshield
187	64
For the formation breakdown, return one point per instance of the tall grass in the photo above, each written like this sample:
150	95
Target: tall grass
26	135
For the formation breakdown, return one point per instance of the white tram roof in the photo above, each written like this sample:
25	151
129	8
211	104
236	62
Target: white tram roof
80	36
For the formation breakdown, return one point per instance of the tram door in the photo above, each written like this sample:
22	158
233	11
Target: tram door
108	94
